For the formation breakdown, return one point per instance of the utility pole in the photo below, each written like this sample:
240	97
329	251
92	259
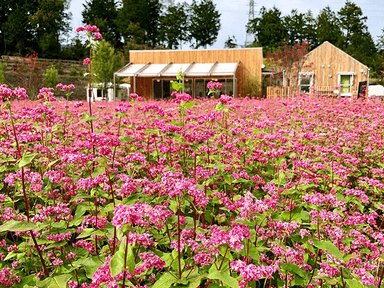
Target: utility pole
251	15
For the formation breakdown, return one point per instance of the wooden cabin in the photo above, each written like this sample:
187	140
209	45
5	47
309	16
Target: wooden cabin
327	67
151	71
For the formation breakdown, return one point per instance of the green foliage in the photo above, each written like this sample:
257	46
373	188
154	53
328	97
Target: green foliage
103	14
174	25
328	26
252	86
51	77
2	72
231	42
105	61
203	13
51	23
269	29
140	20
356	39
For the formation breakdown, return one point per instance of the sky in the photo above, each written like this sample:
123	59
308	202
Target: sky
234	15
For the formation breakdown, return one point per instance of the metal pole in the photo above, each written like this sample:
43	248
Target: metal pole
114	87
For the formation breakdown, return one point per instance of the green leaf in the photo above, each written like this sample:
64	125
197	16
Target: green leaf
195	281
17	226
165	281
131	260
190	104
91	265
219	106
55	282
90	231
177	86
293	268
27	158
98	171
125	139
89	118
223	276
329	247
354	283
78	218
117	263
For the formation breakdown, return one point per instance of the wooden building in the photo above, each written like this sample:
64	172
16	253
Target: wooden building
151	71
327	67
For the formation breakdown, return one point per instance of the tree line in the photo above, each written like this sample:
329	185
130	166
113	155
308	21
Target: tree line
43	26
346	29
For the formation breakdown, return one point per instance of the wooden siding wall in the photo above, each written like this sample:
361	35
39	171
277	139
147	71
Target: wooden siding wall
334	60
251	61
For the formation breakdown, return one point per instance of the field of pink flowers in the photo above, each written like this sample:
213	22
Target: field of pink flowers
206	193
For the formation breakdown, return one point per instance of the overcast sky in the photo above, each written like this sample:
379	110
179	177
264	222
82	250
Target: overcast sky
234	14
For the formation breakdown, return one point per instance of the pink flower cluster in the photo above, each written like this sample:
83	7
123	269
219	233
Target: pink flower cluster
89	29
65	87
211	85
46	94
6	92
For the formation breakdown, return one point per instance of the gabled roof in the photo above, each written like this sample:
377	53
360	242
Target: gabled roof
326	42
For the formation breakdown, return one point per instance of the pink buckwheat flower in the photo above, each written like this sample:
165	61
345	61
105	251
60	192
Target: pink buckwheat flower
86	61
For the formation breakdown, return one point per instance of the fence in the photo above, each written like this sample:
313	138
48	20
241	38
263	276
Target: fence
285	92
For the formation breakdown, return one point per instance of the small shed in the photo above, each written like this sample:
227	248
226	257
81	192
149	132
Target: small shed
151	71
328	67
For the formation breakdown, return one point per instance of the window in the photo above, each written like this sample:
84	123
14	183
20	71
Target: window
201	89
345	83
305	81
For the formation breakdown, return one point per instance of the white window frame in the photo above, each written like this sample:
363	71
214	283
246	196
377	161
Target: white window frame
311	74
351	74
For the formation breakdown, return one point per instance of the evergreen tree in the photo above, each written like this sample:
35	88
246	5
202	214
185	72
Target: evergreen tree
103	14
356	39
269	29
105	62
204	23
174	25
16	31
328	27
50	22
231	42
139	20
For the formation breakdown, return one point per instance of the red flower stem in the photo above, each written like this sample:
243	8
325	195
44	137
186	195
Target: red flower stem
125	259
25	192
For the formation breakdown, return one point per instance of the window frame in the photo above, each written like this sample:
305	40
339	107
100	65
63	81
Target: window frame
351	74
312	76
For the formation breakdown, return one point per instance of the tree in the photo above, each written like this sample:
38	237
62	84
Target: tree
204	23
16	31
328	27
289	60
356	39
174	27
269	29
301	27
139	20
231	42
50	22
103	14
105	62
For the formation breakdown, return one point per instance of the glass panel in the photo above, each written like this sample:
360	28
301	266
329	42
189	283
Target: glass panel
222	90
344	89
345	79
200	88
345	83
157	90
188	86
229	87
167	88
306	80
